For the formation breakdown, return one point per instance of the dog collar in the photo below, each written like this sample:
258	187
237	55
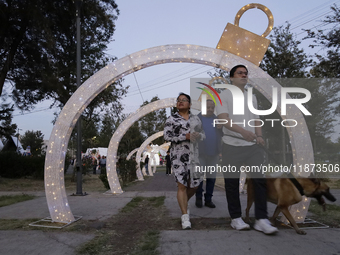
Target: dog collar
296	183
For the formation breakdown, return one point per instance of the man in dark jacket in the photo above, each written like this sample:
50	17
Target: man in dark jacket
209	151
146	161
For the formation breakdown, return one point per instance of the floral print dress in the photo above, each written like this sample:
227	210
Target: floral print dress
183	153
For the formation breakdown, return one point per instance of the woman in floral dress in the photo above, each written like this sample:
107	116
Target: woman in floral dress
184	130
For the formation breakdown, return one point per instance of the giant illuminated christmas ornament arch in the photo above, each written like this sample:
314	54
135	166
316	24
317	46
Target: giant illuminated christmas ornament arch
131	153
164	146
155	151
222	58
142	148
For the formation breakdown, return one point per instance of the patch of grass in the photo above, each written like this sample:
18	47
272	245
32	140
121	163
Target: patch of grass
13	199
91	183
337	184
148	244
333	183
156	201
96	245
21	184
330	217
12	224
132	204
134	230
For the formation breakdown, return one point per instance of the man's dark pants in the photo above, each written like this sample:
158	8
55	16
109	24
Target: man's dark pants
147	169
168	169
207	161
102	168
244	156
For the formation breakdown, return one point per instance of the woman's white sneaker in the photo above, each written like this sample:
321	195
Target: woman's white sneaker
185	221
265	226
239	224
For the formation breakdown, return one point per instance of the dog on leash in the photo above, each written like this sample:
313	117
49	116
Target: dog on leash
284	193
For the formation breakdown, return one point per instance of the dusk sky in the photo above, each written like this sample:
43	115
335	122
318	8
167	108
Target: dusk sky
149	23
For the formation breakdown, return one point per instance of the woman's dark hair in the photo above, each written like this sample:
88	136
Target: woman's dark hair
187	96
233	70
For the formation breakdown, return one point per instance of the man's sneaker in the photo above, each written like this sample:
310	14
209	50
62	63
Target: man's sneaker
185	221
239	224
264	226
209	204
199	202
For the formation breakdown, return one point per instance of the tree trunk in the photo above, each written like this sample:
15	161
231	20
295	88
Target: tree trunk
10	56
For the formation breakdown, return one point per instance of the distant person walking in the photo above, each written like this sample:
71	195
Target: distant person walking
94	164
102	164
146	162
168	163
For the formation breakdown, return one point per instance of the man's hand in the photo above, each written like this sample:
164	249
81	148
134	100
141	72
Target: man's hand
187	136
259	140
248	135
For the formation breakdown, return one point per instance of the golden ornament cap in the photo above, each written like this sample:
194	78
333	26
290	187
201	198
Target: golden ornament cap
244	43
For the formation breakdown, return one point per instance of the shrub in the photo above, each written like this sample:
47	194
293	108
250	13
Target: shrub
87	164
103	178
36	165
14	165
127	170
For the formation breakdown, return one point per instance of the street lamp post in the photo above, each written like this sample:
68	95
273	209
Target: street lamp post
18	140
79	192
93	141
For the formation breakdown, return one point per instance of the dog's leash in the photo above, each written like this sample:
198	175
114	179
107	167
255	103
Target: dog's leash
289	175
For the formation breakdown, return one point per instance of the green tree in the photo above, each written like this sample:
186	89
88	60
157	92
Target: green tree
38	54
6	110
38	48
329	64
97	128
153	122
90	132
284	59
6	127
131	140
109	125
107	102
33	139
